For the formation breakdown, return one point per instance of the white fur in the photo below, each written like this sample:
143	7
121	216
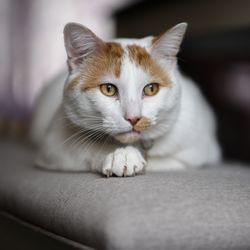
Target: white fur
124	161
183	125
47	104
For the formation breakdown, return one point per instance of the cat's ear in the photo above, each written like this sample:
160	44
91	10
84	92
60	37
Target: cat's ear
167	45
80	42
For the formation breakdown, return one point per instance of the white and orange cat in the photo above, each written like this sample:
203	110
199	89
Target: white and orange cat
124	107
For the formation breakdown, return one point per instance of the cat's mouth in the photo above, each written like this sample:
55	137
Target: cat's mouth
128	137
133	135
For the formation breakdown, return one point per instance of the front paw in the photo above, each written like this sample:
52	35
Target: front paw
124	162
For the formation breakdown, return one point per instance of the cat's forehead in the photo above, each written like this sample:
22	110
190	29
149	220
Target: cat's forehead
137	52
121	55
145	42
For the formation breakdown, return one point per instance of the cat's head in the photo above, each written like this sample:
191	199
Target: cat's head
126	88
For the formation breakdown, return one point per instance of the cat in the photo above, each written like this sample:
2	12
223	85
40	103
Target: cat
125	107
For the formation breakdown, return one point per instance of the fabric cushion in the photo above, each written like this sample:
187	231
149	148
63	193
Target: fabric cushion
202	209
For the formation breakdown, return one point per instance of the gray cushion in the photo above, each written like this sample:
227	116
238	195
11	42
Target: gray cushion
203	209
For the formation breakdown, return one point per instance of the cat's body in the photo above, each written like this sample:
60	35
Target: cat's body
125	100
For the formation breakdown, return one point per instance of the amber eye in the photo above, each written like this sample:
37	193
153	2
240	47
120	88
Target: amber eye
151	89
108	89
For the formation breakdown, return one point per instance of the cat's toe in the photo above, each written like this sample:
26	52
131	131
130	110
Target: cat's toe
107	166
108	173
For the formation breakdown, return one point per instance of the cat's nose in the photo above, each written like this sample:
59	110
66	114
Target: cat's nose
133	120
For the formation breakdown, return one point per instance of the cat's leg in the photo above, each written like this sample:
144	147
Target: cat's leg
126	161
62	159
159	164
193	157
198	156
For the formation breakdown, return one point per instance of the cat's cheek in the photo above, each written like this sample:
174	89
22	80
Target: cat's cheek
107	108
151	108
97	100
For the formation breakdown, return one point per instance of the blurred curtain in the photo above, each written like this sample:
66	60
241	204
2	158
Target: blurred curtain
31	44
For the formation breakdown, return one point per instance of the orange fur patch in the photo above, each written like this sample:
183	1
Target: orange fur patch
142	124
114	52
108	58
71	84
141	57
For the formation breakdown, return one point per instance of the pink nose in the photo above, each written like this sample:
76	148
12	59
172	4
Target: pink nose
133	120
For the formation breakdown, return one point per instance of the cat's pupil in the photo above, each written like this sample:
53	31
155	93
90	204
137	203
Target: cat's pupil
109	88
151	87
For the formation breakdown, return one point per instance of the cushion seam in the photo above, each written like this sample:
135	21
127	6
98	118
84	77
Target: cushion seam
43	231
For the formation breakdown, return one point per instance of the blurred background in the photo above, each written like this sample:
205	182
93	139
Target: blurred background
215	53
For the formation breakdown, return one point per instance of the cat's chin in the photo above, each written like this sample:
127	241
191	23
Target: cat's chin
128	137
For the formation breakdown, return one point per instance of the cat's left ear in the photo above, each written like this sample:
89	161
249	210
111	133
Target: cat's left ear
167	45
80	43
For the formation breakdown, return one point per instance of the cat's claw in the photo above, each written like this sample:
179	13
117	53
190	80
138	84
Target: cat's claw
108	173
123	162
144	168
125	171
134	171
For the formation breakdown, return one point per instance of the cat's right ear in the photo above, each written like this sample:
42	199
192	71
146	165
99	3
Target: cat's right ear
167	45
80	42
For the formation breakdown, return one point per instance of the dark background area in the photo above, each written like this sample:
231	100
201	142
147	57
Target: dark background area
215	53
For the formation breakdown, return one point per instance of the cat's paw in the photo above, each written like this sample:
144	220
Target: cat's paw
124	162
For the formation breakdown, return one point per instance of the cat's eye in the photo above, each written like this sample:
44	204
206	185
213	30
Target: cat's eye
151	89
108	89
